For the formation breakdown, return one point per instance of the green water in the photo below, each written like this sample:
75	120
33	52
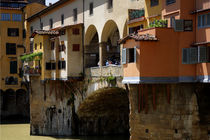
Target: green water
22	132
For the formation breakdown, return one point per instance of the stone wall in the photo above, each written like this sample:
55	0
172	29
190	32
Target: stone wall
165	111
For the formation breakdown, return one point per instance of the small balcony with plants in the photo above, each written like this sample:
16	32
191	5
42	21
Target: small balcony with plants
32	64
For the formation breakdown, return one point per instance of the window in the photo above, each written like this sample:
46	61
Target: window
10	48
11	80
62	19
154	2
52	45
5	17
51	23
13	67
170	2
41	25
16	17
31	29
24	33
91	8
61	64
204	20
76	47
128	55
35	47
75	31
13	32
183	25
75	14
135	29
110	4
188	25
40	45
31	47
62	47
195	55
172	22
50	65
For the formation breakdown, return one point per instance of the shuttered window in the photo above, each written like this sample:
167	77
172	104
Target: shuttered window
16	17
204	54
61	64
76	47
183	25
5	17
10	48
50	66
129	55
195	55
13	67
75	31
170	2
204	20
124	56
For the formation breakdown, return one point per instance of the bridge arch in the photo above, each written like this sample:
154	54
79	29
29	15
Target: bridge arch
91	47
9	103
105	111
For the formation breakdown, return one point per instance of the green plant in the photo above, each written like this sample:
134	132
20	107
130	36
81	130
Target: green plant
31	57
158	23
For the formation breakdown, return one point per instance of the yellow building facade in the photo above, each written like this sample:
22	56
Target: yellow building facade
142	18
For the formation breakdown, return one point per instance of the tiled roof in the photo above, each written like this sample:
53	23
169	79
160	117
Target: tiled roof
45	32
137	37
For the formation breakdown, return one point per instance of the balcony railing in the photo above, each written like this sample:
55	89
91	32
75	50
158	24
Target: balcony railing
32	71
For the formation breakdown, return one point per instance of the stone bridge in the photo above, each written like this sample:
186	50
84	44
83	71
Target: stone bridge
98	104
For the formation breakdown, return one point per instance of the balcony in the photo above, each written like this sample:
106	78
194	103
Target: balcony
32	71
105	71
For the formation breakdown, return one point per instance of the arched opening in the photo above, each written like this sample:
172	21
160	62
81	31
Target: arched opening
111	48
105	112
22	103
91	47
1	100
9	104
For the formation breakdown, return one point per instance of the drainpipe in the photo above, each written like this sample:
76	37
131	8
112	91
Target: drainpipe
83	28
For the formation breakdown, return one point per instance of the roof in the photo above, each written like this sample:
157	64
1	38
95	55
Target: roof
201	43
10	8
45	32
138	37
47	9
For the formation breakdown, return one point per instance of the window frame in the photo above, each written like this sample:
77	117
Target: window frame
16	17
154	3
9	48
13	70
110	4
10	32
169	2
62	19
91	8
75	14
203	18
51	23
5	17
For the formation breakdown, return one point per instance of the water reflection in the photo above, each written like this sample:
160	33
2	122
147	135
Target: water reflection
22	132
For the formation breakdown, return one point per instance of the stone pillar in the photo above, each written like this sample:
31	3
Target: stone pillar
102	47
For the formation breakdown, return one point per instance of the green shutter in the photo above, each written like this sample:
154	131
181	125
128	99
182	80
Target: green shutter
185	56
193	55
179	25
124	56
135	54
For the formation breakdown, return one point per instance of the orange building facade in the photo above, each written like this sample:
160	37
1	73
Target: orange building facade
167	70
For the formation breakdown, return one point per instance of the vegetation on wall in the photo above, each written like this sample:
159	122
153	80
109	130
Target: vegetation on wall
31	57
158	23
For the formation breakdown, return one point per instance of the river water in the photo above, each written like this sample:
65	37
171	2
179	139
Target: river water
22	132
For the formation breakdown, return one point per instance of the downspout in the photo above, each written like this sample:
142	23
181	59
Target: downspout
83	28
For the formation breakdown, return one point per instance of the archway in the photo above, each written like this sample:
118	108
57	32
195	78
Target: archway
104	112
9	104
91	47
1	100
111	48
22	103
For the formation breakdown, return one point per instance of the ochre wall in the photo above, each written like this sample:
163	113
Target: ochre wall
5	59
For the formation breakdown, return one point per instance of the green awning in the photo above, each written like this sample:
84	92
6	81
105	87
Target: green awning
30	57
